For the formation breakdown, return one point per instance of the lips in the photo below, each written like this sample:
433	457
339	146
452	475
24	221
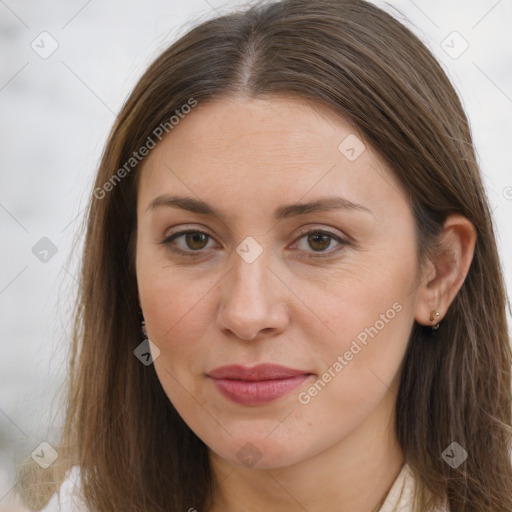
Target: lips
258	384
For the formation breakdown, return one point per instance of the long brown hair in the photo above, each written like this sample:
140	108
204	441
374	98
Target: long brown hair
134	451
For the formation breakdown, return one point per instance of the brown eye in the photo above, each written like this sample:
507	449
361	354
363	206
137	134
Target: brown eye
191	242
196	240
316	242
319	241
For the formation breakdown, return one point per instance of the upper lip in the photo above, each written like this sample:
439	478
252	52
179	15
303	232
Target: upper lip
254	373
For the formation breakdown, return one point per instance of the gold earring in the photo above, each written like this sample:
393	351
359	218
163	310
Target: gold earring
434	317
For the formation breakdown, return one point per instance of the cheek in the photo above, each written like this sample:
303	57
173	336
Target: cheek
173	309
369	311
372	295
174	302
360	361
360	364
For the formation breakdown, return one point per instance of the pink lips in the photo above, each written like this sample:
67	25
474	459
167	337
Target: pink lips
256	385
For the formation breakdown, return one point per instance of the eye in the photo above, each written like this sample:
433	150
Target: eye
194	241
320	241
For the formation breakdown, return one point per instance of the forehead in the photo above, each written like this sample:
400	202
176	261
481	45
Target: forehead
270	148
231	125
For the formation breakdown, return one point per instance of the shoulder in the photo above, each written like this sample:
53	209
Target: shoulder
68	498
400	497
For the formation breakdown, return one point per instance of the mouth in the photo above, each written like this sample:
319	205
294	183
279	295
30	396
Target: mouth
257	385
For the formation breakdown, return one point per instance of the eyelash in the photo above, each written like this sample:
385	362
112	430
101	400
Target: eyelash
191	253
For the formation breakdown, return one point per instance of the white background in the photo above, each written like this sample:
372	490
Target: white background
55	117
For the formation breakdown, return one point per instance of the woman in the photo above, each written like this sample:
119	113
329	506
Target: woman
292	298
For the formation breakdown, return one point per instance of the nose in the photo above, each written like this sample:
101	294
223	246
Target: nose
253	300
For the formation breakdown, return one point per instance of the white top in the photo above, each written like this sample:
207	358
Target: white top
398	498
66	500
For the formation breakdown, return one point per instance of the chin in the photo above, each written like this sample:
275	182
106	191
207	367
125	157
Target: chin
261	452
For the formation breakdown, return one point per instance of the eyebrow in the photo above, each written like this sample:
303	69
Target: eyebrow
191	204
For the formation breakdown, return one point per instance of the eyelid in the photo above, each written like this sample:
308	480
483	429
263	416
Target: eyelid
180	228
305	230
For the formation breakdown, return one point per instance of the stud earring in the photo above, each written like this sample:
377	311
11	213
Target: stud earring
434	317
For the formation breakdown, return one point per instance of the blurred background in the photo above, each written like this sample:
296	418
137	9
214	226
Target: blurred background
65	70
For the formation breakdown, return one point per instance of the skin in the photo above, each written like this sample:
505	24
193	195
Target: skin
290	306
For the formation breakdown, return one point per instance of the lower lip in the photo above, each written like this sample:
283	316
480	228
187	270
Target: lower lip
258	392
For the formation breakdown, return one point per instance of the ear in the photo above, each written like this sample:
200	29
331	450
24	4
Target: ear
445	276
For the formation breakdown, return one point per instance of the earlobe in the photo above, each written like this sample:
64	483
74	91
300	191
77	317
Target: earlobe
448	270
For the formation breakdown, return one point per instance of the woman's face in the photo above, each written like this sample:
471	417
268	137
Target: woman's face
328	293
